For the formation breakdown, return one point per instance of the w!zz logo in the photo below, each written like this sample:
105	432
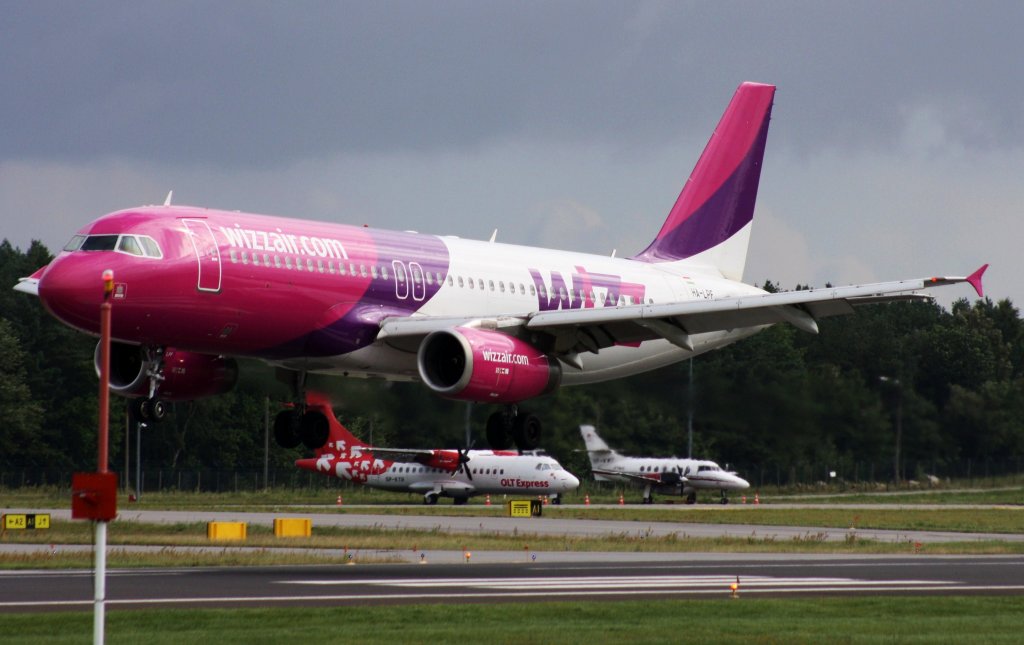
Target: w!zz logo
585	290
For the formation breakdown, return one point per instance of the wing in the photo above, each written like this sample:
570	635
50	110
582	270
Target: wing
401	454
572	331
653	478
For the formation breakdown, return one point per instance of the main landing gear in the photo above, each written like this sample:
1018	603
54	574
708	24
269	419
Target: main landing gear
648	497
299	425
512	425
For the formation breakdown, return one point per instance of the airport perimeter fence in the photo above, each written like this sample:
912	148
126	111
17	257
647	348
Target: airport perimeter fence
853	475
880	476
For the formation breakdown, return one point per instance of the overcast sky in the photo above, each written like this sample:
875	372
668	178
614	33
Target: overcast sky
896	148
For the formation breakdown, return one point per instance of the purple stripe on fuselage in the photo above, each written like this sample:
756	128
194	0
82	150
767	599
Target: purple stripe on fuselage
416	264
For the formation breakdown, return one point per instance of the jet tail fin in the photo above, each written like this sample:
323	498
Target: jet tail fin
593	441
710	221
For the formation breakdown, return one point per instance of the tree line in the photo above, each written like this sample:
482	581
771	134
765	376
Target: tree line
892	392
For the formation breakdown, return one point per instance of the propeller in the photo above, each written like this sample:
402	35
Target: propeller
464	460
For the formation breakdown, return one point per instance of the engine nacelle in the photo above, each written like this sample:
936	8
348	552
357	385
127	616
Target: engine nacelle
671	478
485	366
186	375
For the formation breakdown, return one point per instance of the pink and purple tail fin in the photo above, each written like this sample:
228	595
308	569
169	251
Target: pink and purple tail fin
712	216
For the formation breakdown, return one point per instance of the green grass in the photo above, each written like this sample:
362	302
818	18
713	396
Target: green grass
383	544
960	620
378	543
1006	490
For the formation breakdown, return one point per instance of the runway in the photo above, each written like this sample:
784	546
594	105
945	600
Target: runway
496	576
600	576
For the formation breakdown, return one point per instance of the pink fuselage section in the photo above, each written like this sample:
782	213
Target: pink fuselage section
246	285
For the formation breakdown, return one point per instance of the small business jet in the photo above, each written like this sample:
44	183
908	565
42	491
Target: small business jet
458	474
669	475
196	289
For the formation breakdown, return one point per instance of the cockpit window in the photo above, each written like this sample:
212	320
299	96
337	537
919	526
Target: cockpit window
138	245
150	247
129	245
100	243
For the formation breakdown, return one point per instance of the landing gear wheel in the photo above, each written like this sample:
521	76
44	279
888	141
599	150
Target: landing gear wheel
430	499
526	432
151	410
725	500
691	498
556	500
498	431
648	500
314	430
286	431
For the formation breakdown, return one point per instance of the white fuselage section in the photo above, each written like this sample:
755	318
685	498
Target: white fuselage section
492	473
695	474
490	280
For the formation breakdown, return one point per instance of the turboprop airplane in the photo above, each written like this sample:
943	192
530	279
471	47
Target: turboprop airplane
458	474
196	289
669	475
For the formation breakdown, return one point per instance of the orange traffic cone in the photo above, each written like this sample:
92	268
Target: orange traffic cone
622	500
586	500
757	500
744	499
488	501
339	500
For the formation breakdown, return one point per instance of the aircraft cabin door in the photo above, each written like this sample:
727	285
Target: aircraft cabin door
207	254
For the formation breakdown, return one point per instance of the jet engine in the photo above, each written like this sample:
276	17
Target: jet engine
180	375
485	366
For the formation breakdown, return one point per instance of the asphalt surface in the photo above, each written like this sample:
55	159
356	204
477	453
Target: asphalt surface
599	576
445	576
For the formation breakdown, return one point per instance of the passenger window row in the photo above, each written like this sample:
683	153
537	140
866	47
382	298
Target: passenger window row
381	272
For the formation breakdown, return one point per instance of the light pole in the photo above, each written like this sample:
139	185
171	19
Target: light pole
689	414
895	382
138	459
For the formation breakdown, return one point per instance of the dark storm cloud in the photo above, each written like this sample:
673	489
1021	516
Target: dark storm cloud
266	83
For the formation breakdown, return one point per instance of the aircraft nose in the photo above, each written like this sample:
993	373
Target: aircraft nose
739	483
570	481
72	290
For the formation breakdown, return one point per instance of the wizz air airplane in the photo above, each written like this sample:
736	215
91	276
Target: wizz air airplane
478	321
458	474
669	475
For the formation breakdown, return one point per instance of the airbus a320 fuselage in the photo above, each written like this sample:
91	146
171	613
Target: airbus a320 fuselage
482	321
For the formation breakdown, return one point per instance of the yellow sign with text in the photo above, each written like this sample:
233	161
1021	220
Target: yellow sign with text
26	521
524	508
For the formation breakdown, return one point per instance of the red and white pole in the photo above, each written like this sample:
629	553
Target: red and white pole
108	288
100	595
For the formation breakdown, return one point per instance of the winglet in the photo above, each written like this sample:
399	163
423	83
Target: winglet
975	280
